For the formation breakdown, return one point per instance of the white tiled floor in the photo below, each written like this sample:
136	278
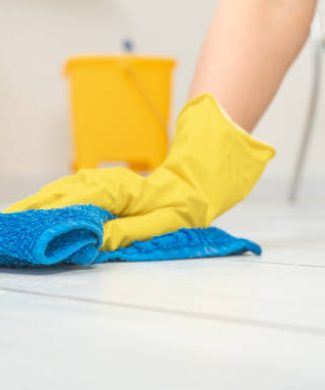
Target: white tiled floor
236	323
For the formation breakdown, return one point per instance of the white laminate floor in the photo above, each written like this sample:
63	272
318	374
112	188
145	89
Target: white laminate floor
238	323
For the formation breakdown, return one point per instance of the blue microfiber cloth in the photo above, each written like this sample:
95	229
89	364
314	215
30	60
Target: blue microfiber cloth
74	235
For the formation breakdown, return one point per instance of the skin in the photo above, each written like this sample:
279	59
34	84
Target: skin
248	49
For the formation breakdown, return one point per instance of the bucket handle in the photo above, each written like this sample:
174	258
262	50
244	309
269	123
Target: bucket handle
145	96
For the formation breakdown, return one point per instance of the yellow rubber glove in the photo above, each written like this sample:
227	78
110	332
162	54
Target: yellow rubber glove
212	165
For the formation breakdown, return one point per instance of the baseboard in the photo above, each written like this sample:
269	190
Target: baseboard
17	187
269	189
279	189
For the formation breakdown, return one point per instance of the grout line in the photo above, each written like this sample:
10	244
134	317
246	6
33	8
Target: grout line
49	270
271	325
243	260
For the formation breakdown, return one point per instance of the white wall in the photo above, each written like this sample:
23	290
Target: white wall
36	36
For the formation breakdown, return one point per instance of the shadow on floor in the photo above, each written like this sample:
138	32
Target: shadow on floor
43	270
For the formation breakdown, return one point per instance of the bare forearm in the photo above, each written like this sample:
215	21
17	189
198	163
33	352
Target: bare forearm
248	49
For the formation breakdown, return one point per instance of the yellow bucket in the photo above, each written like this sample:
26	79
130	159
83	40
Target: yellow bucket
120	109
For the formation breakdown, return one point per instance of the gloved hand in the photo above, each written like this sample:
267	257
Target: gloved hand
212	165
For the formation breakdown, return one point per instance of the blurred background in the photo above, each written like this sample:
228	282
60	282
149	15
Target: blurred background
36	38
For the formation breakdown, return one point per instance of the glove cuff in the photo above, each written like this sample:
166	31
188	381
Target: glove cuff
266	150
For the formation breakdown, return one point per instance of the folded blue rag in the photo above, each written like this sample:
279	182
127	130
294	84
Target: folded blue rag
74	235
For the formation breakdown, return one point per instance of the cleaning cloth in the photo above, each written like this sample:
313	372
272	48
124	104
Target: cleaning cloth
74	235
